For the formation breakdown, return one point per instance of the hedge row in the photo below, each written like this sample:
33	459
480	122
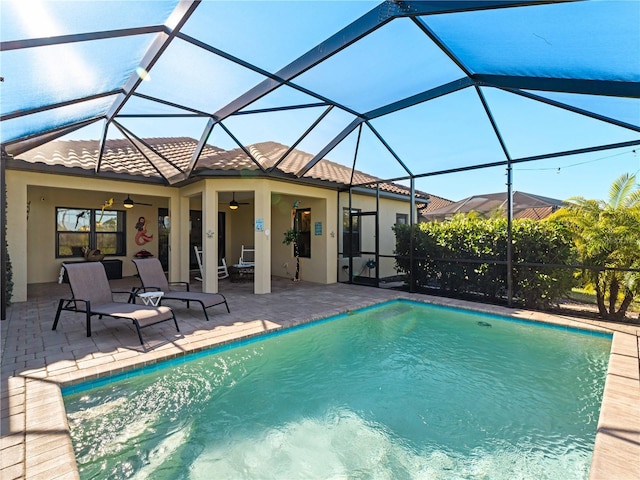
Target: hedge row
482	242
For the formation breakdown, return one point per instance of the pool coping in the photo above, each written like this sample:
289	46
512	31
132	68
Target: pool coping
616	453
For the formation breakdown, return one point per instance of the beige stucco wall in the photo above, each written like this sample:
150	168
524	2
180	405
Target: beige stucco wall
31	239
32	242
42	265
319	267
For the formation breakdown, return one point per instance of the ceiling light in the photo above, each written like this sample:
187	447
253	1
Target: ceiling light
233	205
128	203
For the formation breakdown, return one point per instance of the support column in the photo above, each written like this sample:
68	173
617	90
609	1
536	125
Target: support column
179	240
17	238
175	262
210	238
262	238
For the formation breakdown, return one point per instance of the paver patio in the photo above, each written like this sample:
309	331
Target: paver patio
36	361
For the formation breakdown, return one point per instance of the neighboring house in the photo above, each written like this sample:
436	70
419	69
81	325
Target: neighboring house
525	205
67	205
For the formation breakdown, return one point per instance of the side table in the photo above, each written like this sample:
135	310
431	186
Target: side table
241	273
151	298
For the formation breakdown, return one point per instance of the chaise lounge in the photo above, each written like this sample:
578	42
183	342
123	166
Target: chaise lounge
92	295
153	278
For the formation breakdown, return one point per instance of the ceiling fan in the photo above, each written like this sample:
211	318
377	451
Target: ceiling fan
129	203
233	204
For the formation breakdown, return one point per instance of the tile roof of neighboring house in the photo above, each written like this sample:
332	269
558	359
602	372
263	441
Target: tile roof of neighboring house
525	205
171	156
435	203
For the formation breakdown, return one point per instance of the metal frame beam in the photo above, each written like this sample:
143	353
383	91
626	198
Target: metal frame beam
571	108
503	163
172	26
302	137
420	7
329	146
24	144
170	104
610	88
418	98
52	106
79	37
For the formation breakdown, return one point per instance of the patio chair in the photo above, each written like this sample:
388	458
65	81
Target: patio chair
223	272
247	257
153	278
92	295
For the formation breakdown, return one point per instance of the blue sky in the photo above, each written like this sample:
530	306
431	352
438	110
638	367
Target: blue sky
391	63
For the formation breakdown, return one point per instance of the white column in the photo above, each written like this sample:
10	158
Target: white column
179	240
262	238
210	237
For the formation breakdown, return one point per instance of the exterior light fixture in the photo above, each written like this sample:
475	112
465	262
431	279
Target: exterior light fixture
128	203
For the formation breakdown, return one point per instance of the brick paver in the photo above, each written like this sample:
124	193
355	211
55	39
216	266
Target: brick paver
37	361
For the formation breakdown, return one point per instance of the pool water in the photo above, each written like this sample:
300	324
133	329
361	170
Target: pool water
404	390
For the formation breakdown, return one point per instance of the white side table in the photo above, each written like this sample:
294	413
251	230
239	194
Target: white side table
151	298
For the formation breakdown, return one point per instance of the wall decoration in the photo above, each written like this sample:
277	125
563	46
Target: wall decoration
142	237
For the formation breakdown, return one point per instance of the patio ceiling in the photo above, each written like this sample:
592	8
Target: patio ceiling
398	89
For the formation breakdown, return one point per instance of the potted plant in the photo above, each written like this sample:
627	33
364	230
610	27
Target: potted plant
292	236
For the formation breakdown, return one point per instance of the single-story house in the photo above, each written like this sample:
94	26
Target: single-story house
59	201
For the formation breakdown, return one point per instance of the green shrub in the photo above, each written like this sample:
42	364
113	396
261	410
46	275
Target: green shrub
467	255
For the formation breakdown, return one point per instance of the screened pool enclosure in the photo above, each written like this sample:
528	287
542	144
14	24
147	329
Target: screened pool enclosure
407	91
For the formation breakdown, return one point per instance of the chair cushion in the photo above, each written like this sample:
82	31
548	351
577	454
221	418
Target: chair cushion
145	315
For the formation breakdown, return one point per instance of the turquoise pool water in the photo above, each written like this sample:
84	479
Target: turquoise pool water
403	390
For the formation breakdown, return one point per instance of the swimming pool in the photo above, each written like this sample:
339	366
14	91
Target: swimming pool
403	390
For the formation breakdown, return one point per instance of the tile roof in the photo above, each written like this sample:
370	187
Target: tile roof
120	155
525	205
170	157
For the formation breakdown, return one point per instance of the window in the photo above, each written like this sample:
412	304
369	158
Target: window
402	218
351	240
303	225
99	229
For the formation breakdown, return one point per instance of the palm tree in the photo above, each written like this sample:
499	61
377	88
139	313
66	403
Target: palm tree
607	235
